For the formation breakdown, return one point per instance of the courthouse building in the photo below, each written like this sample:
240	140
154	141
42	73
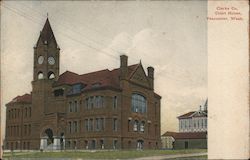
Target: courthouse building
107	109
192	131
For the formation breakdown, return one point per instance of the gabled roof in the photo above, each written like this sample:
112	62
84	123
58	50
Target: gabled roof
187	115
26	98
193	114
105	78
186	135
47	33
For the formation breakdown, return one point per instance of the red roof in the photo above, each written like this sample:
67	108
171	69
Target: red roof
193	114
186	135
26	98
103	77
187	115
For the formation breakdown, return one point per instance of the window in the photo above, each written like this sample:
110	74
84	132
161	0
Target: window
115	102
75	126
77	88
15	113
102	124
94	101
29	111
18	130
142	127
25	129
115	124
26	112
29	129
115	144
70	107
87	103
95	85
74	145
12	114
91	102
91	124
93	144
70	127
98	124
40	75
136	124
69	144
99	101
86	124
51	75
58	92
139	103
75	106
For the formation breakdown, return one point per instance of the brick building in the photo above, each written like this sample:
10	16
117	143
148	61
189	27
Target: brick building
107	109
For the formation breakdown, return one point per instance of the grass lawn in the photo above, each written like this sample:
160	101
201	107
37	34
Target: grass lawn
191	158
118	154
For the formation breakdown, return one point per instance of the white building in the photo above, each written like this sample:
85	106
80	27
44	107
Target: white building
195	121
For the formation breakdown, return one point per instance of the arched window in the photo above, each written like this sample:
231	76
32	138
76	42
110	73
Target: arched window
139	103
51	75
136	125
40	75
142	126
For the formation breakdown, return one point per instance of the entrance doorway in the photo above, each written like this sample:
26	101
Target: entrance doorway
140	144
49	134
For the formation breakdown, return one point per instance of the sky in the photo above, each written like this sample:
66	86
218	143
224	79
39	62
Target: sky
171	36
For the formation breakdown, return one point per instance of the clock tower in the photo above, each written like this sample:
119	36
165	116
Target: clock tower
45	71
46	55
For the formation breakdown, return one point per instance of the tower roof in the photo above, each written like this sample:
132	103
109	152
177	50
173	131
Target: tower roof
47	35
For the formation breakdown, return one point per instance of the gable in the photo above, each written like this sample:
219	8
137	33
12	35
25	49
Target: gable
139	77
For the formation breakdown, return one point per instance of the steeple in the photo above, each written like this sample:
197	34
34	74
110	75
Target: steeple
46	35
46	55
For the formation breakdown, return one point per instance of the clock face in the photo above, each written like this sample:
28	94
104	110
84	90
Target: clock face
40	59
51	60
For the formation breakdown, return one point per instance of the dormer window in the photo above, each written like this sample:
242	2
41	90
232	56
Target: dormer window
76	88
96	85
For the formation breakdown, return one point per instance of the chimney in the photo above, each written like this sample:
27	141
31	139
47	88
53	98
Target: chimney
151	76
123	66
